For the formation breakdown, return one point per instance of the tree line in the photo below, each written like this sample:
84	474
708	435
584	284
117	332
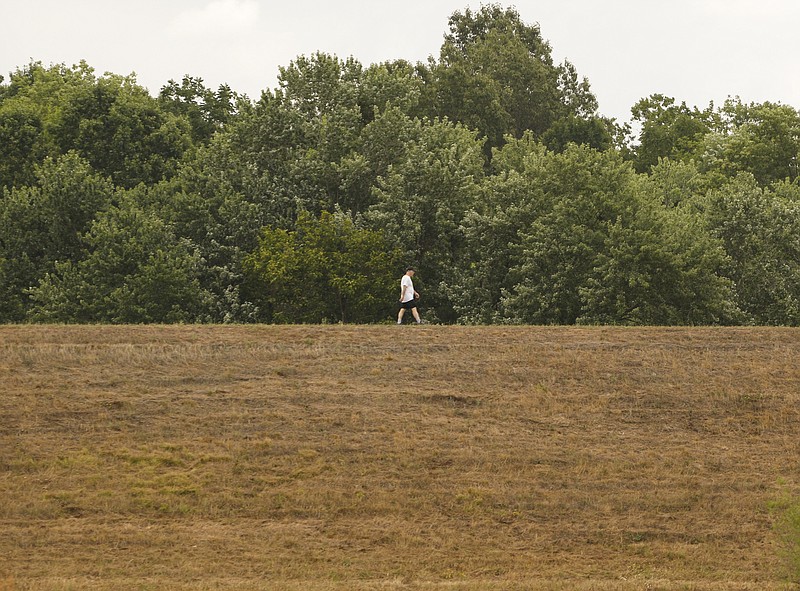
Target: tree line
489	169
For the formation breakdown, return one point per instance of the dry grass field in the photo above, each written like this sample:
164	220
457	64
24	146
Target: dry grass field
425	458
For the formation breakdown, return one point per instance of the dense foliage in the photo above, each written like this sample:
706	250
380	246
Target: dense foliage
488	168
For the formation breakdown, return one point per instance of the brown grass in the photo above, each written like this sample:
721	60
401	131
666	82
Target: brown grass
395	458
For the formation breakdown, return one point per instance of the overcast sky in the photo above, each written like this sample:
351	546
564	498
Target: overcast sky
694	50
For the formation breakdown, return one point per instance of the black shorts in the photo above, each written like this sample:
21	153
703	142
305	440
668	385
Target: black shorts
409	304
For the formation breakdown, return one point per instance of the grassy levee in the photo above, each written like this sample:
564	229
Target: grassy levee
421	458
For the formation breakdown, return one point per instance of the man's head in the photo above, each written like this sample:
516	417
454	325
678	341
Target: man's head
410	271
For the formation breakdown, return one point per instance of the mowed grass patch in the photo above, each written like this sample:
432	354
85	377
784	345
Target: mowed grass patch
353	457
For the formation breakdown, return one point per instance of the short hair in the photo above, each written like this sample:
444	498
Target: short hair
409	269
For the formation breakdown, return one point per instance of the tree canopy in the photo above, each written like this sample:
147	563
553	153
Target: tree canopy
488	168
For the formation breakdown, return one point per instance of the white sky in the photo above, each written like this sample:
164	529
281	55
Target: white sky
693	50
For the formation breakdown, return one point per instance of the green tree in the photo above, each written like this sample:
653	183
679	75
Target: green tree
669	130
207	111
299	144
256	155
583	240
595	132
320	84
675	182
221	225
325	270
390	85
661	267
40	225
508	202
496	74
760	139
19	135
29	107
122	131
133	270
111	121
760	231
421	200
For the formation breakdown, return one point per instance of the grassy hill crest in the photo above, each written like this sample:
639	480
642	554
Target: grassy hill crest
423	458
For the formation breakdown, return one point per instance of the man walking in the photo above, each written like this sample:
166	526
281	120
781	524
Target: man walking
408	297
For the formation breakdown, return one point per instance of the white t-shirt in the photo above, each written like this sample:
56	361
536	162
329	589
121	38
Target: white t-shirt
408	294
